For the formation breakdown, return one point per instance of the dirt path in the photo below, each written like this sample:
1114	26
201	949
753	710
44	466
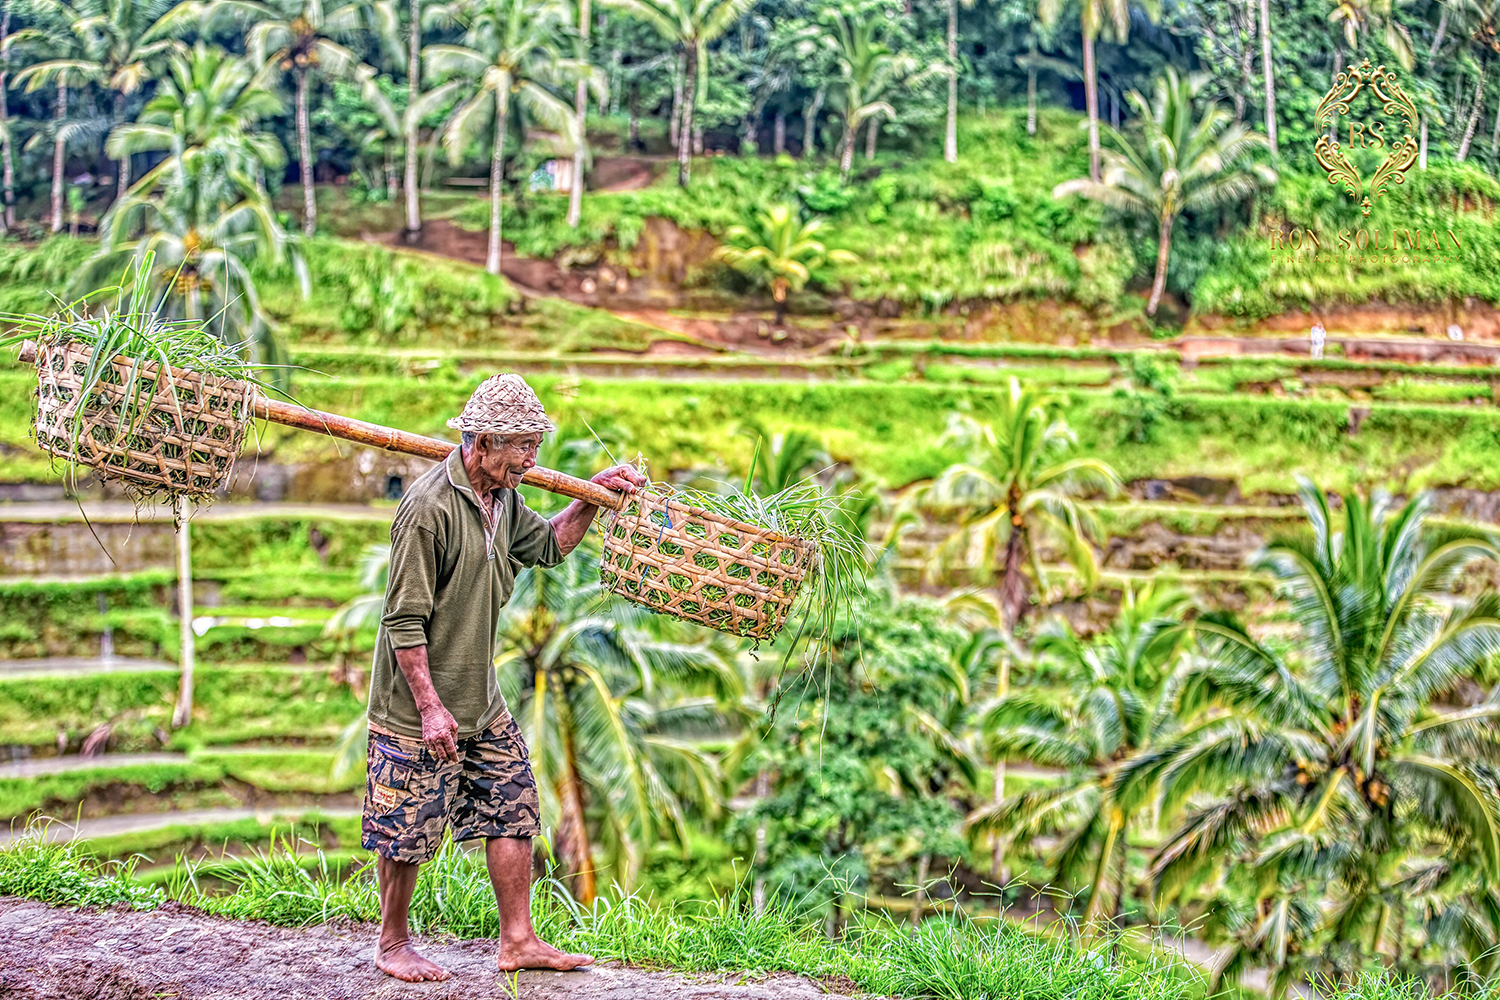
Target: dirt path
48	952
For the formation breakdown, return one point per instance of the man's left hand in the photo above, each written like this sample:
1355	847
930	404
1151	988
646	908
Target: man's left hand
624	478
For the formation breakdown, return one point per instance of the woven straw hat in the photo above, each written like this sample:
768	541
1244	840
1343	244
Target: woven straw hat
503	404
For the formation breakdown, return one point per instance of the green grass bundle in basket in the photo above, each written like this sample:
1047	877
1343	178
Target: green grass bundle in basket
160	406
737	563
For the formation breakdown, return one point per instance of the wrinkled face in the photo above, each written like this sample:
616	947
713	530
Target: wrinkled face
506	459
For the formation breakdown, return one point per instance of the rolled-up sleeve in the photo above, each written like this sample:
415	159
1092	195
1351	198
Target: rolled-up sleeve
533	540
411	585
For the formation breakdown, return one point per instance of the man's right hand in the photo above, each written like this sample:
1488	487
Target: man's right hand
440	733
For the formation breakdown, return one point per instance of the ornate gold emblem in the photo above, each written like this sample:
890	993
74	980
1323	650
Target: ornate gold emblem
1331	155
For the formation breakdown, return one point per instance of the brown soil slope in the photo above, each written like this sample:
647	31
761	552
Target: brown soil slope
49	952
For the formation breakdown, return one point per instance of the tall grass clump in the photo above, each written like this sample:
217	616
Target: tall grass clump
62	874
955	957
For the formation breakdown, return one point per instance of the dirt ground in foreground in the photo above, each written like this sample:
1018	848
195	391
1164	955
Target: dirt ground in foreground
177	952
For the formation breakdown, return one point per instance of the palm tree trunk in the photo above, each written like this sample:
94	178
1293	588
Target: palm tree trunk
1091	99
1101	870
1012	582
1338	67
580	109
950	133
1442	29
758	893
122	178
810	122
497	179
634	129
304	153
1265	62
8	169
1031	102
1163	247
1495	135
685	129
58	159
846	156
997	847
674	125
572	834
1463	147
870	135
1422	144
413	91
778	134
920	901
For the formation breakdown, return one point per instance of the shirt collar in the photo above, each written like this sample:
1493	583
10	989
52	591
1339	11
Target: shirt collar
458	476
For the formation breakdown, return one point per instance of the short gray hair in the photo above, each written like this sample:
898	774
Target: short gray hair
467	439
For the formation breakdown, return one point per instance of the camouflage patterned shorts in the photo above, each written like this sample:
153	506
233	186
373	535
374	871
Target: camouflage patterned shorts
411	796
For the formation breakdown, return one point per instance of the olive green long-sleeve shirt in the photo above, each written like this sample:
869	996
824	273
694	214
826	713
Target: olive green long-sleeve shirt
451	572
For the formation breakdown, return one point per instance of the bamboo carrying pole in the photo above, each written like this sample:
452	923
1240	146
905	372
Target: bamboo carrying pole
390	439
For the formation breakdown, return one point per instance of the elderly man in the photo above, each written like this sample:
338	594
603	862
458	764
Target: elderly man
444	750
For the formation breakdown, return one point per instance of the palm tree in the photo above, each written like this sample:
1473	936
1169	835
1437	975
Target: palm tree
297	37
510	51
118	41
602	695
1367	15
1113	709
205	105
1094	14
54	33
693	25
1034	62
1177	166
1015	484
201	213
779	250
950	131
7	126
1325	770
580	110
867	71
1481	20
1269	73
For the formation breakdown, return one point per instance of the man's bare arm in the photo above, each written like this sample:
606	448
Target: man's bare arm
439	729
573	523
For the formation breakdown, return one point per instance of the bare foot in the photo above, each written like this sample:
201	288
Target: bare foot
537	954
403	962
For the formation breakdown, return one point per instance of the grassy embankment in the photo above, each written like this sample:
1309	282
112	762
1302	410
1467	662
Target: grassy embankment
889	431
953	956
929	233
245	704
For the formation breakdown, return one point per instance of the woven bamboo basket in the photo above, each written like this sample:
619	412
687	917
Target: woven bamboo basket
182	437
703	567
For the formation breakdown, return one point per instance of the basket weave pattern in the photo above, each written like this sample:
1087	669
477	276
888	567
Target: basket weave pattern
184	437
703	567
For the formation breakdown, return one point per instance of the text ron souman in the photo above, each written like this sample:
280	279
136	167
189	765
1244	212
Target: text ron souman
1401	240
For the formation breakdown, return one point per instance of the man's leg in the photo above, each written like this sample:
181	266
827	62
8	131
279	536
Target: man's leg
406	808
394	954
509	862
